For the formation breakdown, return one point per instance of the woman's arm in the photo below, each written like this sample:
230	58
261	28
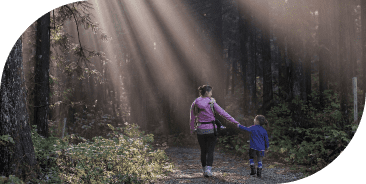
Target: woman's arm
223	113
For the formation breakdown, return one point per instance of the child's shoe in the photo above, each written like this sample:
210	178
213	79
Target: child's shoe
208	171
252	170
259	172
204	170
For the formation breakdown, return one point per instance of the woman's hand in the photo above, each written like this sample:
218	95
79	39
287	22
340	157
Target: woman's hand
192	132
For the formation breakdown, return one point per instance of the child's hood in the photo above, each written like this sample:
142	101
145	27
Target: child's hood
203	103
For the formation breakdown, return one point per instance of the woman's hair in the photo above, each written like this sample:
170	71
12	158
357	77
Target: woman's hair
261	119
202	89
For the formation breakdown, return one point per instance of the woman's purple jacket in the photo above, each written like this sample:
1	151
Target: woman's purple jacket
206	115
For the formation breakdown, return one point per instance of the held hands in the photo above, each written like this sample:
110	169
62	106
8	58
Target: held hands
238	125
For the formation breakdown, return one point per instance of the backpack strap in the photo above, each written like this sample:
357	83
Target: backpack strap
196	112
212	102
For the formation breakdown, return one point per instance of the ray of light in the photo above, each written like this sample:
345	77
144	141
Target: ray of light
166	46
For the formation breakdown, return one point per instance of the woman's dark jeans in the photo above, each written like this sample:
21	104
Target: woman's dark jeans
207	143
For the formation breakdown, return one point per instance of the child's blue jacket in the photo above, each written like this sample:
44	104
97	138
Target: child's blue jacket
258	137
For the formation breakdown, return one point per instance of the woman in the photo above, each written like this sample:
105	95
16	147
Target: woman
201	113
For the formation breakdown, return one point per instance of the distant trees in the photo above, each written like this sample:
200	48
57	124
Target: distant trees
277	50
299	47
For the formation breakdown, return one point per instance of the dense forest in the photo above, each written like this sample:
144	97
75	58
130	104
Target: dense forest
87	72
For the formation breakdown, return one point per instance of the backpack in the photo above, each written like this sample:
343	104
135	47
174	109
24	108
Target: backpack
196	112
217	121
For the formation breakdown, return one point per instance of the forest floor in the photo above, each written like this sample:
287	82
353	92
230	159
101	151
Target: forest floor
227	167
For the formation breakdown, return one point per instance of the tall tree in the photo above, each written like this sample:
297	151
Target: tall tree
244	41
352	38
343	77
266	60
324	48
16	158
215	12
253	67
41	80
363	34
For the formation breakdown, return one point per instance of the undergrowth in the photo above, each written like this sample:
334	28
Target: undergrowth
126	156
303	134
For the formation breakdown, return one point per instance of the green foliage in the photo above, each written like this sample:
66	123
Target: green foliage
238	141
6	139
307	133
11	179
126	156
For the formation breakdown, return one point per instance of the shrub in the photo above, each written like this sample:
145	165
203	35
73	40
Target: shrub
126	156
234	142
307	133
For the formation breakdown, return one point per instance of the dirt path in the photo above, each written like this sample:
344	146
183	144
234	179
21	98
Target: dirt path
227	168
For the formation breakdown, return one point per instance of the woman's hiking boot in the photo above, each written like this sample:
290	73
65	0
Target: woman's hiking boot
208	171
259	172
252	170
204	170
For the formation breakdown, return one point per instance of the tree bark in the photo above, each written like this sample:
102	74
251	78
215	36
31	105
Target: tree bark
219	82
266	62
233	69
244	35
227	82
16	158
324	49
343	77
363	34
42	88
307	70
352	39
253	68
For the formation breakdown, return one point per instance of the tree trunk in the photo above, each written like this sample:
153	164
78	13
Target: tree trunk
343	77
307	71
266	62
219	82
233	69
363	34
352	39
253	69
227	82
244	35
42	88
324	50
17	158
233	75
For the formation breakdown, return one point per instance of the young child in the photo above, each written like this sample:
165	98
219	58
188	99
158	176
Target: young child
258	142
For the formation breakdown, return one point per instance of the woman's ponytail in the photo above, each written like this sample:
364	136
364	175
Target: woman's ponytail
203	89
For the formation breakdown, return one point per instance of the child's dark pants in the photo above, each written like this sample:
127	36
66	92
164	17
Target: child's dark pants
253	153
207	143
